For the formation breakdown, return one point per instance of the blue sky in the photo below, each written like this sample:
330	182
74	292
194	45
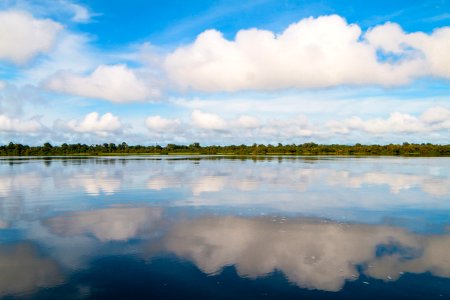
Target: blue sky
224	72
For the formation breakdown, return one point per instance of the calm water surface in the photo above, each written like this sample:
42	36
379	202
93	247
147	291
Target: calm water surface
197	227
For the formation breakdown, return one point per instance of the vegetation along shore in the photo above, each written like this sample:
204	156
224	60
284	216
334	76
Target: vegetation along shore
405	149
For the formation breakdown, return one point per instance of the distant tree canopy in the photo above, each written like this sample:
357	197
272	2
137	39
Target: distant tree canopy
406	149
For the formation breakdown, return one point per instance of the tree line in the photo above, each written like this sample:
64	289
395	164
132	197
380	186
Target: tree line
405	149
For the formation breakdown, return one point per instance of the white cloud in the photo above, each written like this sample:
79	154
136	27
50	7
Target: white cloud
207	121
22	36
431	49
8	124
432	119
313	53
160	124
60	10
211	121
80	13
289	127
216	126
202	121
116	83
94	123
247	122
396	122
436	115
71	53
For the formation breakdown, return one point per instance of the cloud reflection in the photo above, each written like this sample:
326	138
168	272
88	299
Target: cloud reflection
26	181
208	184
313	254
298	177
109	224
314	186
395	181
23	270
3	224
96	183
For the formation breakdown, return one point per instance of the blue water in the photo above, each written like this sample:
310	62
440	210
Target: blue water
225	228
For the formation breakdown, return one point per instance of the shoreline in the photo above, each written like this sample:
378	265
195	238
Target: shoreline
217	155
306	149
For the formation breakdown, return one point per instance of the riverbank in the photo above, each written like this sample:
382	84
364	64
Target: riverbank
306	149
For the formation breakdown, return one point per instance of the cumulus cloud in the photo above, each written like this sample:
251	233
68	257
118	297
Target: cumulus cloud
22	36
313	53
205	120
73	52
211	121
160	124
251	128
8	124
432	119
217	126
430	49
94	123
298	126
313	254
116	83
435	115
201	120
247	122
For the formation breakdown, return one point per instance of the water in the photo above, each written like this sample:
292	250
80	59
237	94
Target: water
198	227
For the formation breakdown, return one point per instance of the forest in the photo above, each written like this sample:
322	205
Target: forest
405	149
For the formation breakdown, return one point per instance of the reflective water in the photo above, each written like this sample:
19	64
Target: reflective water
197	227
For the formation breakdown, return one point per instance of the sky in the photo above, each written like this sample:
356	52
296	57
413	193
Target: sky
224	72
